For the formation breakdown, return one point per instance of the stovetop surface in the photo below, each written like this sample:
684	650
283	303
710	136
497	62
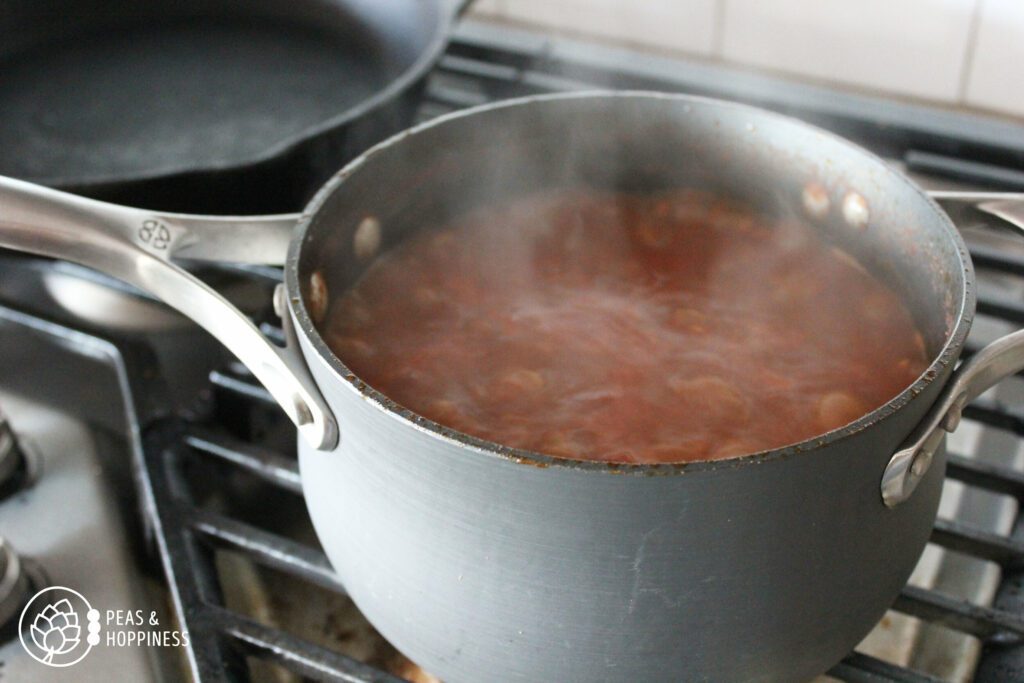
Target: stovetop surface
184	485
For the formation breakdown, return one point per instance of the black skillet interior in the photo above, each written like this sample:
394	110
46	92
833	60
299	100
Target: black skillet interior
221	106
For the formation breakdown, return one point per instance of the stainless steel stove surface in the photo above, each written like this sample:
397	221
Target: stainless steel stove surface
157	475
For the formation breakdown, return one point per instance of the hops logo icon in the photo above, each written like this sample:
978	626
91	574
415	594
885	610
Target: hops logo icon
52	623
55	630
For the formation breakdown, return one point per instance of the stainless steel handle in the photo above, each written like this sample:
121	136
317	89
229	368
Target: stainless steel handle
136	246
261	240
998	360
963	207
975	376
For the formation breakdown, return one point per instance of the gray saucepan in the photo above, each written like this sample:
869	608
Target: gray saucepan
484	563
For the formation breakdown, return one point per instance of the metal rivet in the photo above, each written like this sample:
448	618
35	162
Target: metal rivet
855	210
816	200
366	240
952	419
317	297
920	464
280	300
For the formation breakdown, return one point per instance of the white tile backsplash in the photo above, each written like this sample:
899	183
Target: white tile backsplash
687	26
950	51
913	47
996	78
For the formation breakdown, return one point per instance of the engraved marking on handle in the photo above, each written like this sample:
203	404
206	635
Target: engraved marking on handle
155	234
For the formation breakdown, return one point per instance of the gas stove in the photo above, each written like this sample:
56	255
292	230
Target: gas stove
143	467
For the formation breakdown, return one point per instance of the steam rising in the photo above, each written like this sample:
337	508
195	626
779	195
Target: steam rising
666	326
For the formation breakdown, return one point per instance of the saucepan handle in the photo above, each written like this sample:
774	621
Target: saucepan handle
136	246
976	375
998	360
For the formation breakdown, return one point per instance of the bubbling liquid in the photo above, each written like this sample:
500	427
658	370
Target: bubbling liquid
627	328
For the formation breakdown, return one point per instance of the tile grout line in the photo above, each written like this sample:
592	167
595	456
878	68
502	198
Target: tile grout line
972	45
718	31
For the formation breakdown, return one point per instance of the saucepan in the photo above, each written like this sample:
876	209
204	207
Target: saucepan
482	562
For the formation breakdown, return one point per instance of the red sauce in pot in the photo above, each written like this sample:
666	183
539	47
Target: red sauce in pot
627	328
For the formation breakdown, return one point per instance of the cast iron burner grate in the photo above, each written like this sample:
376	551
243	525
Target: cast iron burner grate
239	430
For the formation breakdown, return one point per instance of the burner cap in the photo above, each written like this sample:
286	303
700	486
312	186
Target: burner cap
15	586
12	459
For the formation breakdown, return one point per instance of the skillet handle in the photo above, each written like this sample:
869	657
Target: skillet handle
136	246
975	376
962	207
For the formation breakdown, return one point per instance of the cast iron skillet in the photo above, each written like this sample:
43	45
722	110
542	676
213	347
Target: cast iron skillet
212	106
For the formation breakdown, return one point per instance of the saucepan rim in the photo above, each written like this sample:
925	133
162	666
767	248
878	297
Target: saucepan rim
948	355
